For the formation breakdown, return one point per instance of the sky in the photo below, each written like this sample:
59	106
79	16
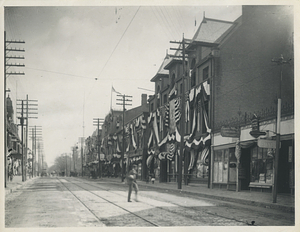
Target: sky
75	54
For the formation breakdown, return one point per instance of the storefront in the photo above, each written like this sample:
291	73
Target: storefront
253	167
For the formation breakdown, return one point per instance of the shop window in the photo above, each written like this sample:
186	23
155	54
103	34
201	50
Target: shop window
224	166
261	165
220	166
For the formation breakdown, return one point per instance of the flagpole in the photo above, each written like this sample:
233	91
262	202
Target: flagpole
111	98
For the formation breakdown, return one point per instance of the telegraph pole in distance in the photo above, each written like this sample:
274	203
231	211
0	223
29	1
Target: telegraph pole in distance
124	100
22	137
81	153
36	133
280	61
97	122
6	74
182	119
25	141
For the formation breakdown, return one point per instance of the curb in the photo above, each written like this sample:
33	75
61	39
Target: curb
222	198
233	200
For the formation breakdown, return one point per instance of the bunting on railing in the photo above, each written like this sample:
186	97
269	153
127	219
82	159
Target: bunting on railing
177	111
167	115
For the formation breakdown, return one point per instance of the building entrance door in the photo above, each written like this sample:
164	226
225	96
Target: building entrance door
245	168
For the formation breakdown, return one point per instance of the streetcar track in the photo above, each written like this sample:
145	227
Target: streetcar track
164	209
100	220
225	204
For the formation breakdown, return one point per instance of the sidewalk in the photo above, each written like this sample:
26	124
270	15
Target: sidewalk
285	202
16	183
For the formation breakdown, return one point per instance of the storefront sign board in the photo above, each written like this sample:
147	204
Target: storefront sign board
266	143
230	132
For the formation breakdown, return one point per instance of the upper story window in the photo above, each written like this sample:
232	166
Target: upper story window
193	63
165	98
193	79
158	96
205	73
173	80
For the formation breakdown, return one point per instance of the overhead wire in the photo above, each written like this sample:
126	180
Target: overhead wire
119	41
164	22
113	51
179	33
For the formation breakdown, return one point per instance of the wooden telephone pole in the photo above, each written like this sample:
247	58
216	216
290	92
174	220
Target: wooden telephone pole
124	100
24	112
280	61
97	122
182	119
7	57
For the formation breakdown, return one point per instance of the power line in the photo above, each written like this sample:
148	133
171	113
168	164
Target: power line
119	41
159	22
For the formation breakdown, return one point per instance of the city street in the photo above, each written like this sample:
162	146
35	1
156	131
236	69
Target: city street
76	202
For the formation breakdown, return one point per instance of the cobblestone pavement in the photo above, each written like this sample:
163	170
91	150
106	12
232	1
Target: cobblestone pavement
74	202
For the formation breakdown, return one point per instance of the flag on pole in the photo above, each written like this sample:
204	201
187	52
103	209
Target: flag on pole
113	89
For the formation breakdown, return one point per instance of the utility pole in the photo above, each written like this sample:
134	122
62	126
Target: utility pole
124	100
40	156
81	153
7	50
280	61
36	134
66	164
22	138
182	119
74	160
97	122
22	118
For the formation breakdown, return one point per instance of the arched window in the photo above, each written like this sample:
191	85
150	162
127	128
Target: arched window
193	63
173	80
158	96
193	73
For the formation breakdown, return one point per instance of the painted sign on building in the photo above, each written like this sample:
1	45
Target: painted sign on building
266	143
230	132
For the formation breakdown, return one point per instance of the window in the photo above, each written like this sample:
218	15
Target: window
158	97
261	165
205	117
165	98
205	73
220	166
224	166
173	80
202	116
193	79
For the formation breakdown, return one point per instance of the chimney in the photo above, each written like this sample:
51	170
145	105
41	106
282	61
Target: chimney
144	99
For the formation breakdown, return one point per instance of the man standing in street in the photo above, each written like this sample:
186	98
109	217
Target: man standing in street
131	180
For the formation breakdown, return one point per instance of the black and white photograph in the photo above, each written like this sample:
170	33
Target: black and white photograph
140	114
